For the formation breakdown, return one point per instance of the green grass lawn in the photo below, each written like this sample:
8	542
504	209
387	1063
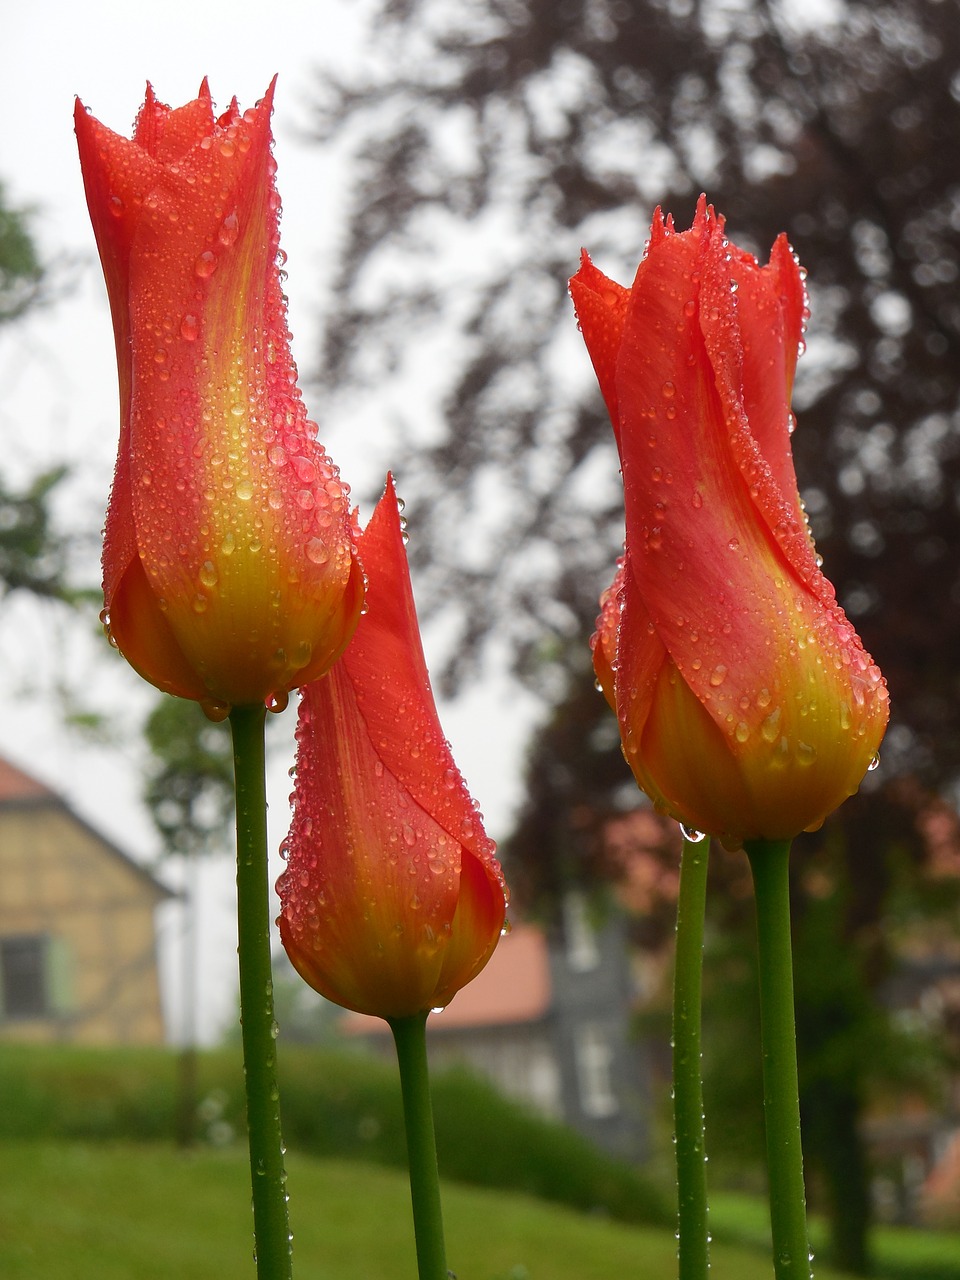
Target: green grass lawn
71	1211
76	1212
900	1253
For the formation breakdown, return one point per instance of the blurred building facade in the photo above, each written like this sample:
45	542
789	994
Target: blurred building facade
78	954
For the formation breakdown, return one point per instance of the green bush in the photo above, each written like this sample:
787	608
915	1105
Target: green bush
334	1104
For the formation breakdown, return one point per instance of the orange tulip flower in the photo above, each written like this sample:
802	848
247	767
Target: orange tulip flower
392	899
748	707
228	566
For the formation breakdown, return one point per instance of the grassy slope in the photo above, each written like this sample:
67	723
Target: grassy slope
73	1212
901	1253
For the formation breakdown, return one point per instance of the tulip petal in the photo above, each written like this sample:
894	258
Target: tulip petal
601	307
386	655
373	881
150	646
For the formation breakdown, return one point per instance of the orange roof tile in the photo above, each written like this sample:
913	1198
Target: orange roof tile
17	785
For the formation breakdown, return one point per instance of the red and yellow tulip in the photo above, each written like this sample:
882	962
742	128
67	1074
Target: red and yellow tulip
392	899
229	569
748	707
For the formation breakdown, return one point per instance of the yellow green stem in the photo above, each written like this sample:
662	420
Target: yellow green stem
693	1248
769	863
410	1037
270	1221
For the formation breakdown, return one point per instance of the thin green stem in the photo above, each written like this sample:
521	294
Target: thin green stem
769	863
410	1036
270	1223
693	1249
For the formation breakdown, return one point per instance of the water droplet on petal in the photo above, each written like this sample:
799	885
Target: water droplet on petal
770	728
229	230
317	552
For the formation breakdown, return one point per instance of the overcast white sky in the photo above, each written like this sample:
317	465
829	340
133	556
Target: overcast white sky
58	392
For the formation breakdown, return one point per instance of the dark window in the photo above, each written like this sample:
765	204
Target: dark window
23	977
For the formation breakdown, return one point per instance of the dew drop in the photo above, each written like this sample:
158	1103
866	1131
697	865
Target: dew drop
317	552
718	675
229	230
245	490
691	834
770	728
189	328
874	763
208	573
206	264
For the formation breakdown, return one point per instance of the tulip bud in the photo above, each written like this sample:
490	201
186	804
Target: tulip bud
229	571
748	707
392	899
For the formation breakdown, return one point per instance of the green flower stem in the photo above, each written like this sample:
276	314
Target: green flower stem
270	1222
410	1036
769	862
693	1249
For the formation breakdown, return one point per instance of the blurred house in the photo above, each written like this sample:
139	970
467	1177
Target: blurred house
77	942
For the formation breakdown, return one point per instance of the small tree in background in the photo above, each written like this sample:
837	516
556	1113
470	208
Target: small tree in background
188	791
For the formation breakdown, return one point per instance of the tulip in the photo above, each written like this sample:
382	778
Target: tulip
229	572
392	899
748	707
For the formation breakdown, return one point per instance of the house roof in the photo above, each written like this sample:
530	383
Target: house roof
513	987
17	785
19	789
